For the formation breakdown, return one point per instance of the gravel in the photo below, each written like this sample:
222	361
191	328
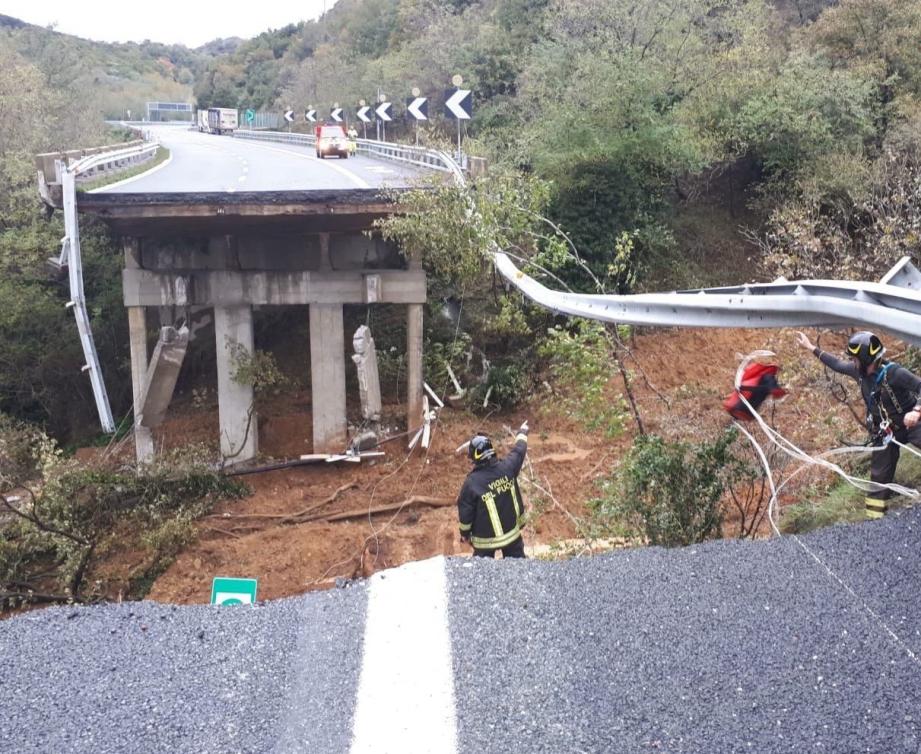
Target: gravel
148	677
722	647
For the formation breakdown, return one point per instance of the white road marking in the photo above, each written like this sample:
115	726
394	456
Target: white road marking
347	173
406	691
146	173
241	178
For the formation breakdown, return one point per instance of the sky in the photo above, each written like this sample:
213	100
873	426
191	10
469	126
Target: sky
187	22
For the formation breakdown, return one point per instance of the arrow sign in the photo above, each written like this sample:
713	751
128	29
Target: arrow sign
418	108
336	114
363	114
458	103
250	116
289	116
310	115
383	112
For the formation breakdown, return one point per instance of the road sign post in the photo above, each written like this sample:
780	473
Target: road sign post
362	114
417	108
458	105
228	591
384	116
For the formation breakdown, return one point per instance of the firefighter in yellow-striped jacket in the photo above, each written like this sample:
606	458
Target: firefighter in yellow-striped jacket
490	506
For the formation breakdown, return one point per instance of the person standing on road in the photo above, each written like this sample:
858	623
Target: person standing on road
490	506
892	395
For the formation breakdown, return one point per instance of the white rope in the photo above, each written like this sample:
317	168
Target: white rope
772	508
795	452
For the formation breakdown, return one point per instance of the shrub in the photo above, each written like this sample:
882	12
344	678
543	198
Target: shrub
669	492
66	516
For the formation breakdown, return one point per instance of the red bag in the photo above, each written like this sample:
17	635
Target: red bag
759	381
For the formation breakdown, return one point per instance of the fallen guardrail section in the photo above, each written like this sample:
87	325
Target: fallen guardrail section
91	164
893	304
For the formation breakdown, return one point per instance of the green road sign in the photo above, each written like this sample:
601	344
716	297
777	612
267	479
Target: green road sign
250	116
226	591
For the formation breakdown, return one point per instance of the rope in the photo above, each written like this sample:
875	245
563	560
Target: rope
795	452
772	506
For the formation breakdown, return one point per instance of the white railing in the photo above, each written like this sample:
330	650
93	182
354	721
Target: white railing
428	158
893	304
90	166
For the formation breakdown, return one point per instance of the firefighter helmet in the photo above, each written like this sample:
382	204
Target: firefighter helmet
866	348
480	449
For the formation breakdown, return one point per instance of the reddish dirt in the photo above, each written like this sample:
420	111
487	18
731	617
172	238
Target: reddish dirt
692	369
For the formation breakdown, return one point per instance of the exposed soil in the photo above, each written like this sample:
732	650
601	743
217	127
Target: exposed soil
692	371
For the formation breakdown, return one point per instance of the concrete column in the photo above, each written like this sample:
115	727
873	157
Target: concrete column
327	378
233	325
414	366
137	340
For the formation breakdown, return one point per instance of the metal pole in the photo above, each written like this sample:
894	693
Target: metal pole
78	303
460	159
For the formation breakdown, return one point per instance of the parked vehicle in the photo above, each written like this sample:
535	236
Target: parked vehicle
222	120
201	120
332	140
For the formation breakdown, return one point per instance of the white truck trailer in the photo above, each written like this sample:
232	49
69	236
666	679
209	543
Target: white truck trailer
222	120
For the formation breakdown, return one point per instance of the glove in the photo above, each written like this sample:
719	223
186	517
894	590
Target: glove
523	429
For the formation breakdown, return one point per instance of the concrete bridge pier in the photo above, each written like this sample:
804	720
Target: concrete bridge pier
327	378
137	339
414	366
233	332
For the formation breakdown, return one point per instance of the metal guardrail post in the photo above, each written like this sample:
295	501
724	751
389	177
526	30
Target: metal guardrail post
78	302
70	255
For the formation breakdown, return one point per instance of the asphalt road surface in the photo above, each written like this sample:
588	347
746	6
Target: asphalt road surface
810	644
209	163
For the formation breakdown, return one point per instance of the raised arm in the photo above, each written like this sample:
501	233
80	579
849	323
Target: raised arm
842	366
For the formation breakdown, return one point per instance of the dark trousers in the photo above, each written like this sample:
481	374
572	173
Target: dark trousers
883	463
514	550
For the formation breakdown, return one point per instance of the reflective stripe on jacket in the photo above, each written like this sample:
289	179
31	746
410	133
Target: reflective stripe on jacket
490	506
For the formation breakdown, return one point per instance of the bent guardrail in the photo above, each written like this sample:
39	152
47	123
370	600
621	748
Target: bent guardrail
51	165
89	165
892	304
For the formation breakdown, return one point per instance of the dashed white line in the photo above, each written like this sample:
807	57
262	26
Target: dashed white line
406	690
338	168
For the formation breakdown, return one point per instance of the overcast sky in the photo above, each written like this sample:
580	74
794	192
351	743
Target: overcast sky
188	22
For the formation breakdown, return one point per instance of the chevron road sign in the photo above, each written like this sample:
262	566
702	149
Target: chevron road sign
418	108
458	103
383	112
289	116
336	114
310	115
363	114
